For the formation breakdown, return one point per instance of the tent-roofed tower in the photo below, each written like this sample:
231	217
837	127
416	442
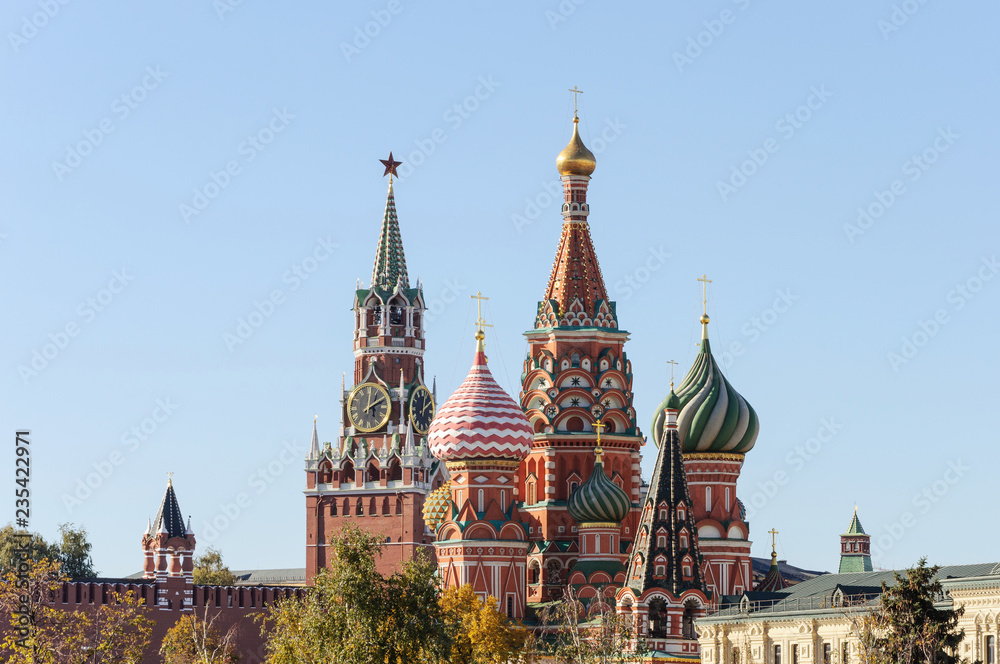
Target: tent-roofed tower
773	581
379	471
576	372
168	544
664	588
855	548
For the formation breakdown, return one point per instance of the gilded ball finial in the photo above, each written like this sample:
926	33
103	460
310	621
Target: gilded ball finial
704	319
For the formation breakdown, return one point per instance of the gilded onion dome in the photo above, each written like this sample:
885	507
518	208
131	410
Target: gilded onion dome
598	500
436	506
712	417
480	421
575	158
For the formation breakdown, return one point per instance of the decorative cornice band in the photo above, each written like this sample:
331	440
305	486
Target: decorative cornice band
714	456
482	464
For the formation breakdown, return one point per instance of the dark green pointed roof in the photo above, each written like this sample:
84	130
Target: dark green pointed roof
855	527
390	263
169	515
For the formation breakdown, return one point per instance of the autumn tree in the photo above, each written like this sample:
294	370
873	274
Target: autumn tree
209	569
479	632
194	640
354	615
910	628
577	634
38	633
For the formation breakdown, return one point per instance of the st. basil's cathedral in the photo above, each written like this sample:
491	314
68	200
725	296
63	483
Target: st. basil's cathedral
519	498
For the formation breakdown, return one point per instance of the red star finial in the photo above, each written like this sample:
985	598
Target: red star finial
390	166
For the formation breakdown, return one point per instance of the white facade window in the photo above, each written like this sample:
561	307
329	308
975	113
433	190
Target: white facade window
708	499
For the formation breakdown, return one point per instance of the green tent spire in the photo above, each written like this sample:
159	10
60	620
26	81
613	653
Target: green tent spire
390	263
855	527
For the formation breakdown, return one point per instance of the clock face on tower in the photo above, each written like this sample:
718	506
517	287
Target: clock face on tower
421	409
368	407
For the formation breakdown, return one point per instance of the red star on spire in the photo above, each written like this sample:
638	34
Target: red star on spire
390	166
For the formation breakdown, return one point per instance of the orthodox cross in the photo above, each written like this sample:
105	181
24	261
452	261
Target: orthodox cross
575	93
390	167
705	281
672	365
480	323
773	533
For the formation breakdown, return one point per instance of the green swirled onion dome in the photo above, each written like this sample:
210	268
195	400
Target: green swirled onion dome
712	416
599	500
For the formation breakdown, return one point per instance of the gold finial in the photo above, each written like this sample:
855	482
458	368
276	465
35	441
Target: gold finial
575	92
315	417
481	324
773	534
598	451
170	479
672	365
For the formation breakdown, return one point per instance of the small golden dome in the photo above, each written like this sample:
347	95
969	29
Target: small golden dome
576	159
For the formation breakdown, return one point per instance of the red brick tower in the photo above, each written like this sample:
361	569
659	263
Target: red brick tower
380	471
575	374
481	433
168	550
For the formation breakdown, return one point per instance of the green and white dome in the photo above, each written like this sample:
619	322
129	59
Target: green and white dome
598	500
712	416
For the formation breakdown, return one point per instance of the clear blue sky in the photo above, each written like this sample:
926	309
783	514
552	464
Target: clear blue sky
115	113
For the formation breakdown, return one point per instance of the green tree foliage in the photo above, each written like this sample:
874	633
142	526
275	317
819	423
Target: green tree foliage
209	569
74	552
10	540
194	640
354	615
910	628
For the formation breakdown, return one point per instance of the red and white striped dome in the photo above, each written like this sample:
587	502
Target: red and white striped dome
480	421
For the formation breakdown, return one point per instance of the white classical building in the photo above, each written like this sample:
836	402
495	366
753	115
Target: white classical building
816	621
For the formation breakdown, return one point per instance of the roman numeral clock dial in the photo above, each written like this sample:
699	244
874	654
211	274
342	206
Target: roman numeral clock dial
421	409
368	407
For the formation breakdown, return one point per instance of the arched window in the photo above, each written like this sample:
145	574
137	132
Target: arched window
399	505
574	424
395	472
661	541
684	541
727	498
708	499
347	507
687	620
360	511
657	618
372	509
333	507
372	473
482	506
532	493
534	572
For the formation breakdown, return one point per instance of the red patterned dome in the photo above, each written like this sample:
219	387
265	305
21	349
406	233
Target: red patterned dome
480	421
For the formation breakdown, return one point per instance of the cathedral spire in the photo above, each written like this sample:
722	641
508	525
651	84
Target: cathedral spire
389	270
576	295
